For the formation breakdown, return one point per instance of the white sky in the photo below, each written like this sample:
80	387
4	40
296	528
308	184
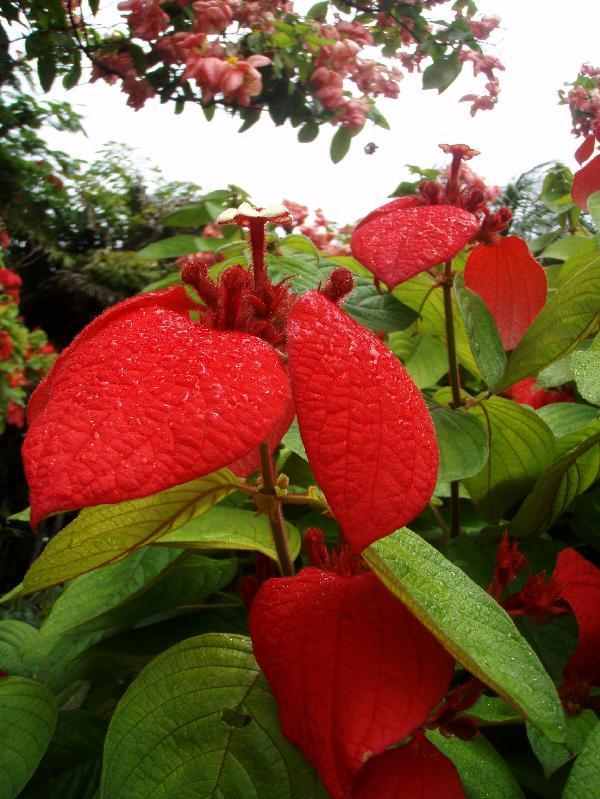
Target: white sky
541	42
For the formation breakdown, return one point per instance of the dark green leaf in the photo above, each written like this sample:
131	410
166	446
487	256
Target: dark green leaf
309	131
340	144
172	732
520	447
554	755
27	721
462	441
584	779
46	67
15	638
380	312
318	11
482	333
585	521
469	624
442	73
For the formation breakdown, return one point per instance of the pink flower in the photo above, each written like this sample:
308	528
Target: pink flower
354	31
483	27
146	19
112	67
138	91
241	79
329	85
213	16
353	112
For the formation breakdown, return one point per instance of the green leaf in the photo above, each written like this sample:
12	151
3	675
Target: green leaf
71	767
340	144
230	528
200	721
318	11
309	131
556	374
15	638
483	773
172	247
192	215
378	118
492	710
380	312
593	204
21	516
424	357
462	441
106	533
573	471
584	779
520	447
585	365
73	76
442	73
293	440
482	333
566	417
585	521
580	260
554	755
46	68
567	319
568	247
27	721
469	624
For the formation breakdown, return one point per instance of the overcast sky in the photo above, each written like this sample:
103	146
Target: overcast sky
541	44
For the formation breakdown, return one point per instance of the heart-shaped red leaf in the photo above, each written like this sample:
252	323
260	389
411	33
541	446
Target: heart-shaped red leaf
368	435
251	462
402	238
510	282
585	182
578	583
144	399
415	771
351	668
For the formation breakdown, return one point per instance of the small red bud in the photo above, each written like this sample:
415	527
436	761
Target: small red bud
339	284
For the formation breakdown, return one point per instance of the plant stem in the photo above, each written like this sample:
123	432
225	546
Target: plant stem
276	520
454	385
258	249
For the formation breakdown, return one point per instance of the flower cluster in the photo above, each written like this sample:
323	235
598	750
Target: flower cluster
327	237
583	99
237	53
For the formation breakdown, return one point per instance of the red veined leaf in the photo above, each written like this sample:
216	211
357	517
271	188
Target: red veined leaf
368	435
352	670
402	238
415	771
510	282
585	182
145	399
585	149
578	583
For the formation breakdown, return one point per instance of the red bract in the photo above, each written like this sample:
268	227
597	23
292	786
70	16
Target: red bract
526	392
577	582
585	182
405	237
352	670
585	149
367	432
416	770
510	282
144	399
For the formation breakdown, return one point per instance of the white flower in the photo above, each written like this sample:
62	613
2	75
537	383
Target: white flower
277	214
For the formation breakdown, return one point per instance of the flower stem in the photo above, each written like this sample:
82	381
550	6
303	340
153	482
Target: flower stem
276	520
258	249
447	281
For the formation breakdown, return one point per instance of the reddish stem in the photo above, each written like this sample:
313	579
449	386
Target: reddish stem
258	249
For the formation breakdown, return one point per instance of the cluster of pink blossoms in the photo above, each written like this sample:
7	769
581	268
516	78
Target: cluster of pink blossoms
207	42
469	179
583	99
324	234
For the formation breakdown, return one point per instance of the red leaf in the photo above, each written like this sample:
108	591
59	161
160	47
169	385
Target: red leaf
585	149
251	462
510	282
350	667
578	583
368	435
525	392
585	182
401	239
145	399
415	771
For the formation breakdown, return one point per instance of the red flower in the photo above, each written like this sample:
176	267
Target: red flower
145	398
353	672
10	284
6	345
405	237
586	181
526	393
15	414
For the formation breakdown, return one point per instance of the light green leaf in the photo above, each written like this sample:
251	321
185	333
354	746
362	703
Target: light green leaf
580	260
230	528
469	624
292	440
483	773
192	215
310	130
175	246
27	721
566	417
428	362
593	204
520	447
482	333
492	710
584	779
554	755
575	468
201	722
568	318
442	73
462	441
340	144
106	533
585	365
569	247
556	374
